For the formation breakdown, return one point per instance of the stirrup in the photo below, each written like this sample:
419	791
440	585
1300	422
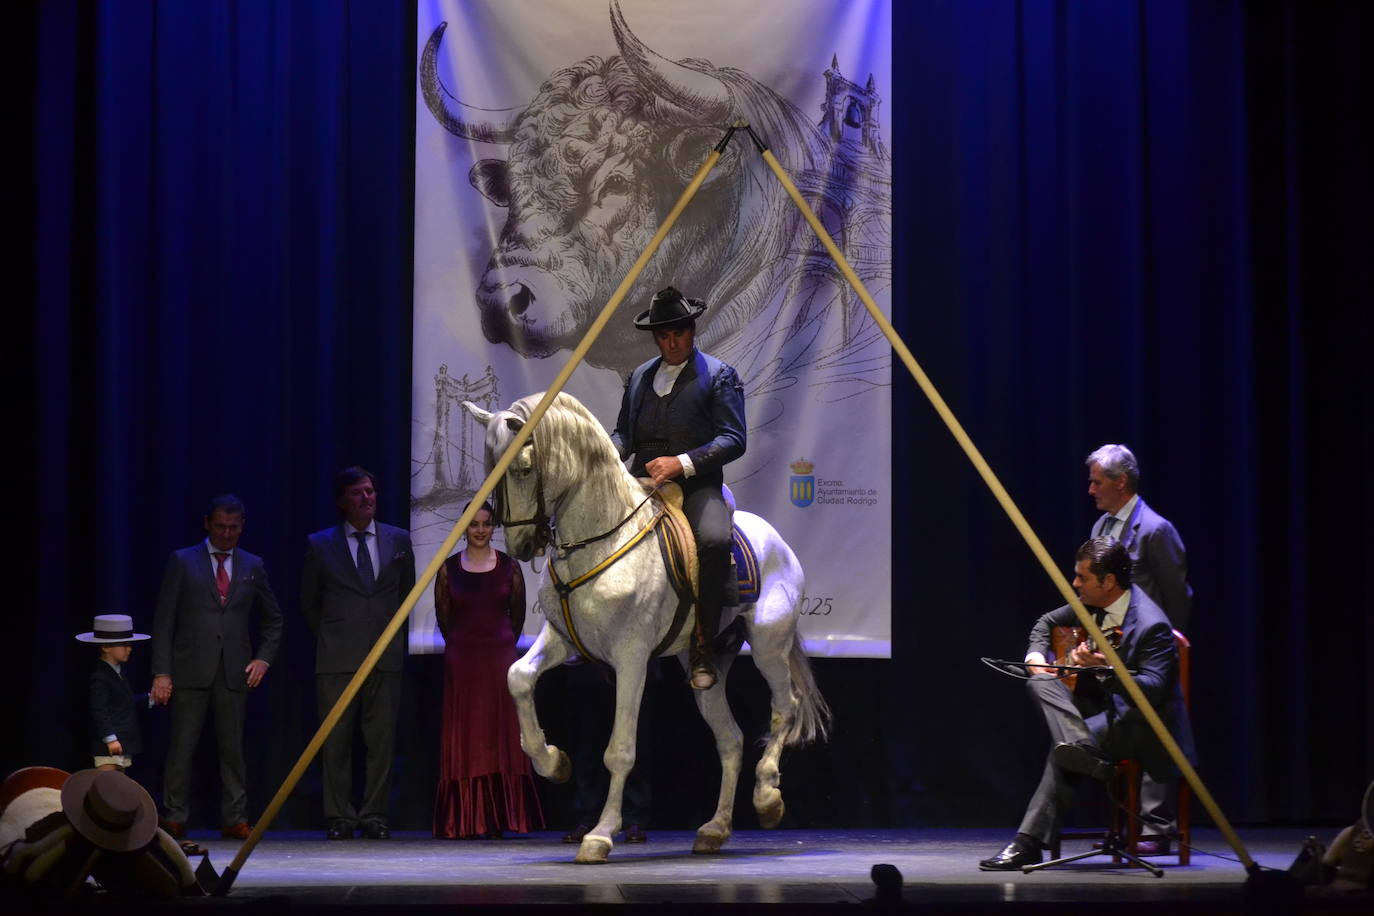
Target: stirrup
703	676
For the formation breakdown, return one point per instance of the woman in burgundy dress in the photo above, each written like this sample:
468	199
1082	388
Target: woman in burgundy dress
485	782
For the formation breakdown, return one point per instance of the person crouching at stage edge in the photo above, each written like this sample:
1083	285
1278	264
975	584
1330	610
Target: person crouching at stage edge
1092	729
682	418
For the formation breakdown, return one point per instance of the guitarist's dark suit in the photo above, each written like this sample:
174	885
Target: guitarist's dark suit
1110	720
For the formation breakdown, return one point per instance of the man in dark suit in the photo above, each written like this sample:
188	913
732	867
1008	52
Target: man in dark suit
682	417
356	575
1159	563
203	658
1091	730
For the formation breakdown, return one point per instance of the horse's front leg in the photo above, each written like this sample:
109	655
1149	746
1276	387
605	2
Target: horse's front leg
715	709
548	650
619	759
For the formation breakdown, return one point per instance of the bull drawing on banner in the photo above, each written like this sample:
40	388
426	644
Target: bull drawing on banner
595	161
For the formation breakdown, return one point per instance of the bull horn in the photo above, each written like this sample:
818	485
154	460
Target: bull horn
457	118
700	94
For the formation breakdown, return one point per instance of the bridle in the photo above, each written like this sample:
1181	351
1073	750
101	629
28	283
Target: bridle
541	520
546	533
545	527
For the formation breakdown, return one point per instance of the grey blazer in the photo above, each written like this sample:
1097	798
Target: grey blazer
193	632
1159	563
346	619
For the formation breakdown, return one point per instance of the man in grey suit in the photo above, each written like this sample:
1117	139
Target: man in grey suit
1159	566
1159	563
356	575
1091	729
203	658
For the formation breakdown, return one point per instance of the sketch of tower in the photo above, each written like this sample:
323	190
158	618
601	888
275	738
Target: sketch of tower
850	112
854	199
451	462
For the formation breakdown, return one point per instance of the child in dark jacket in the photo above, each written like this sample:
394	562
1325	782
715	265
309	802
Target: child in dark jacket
115	736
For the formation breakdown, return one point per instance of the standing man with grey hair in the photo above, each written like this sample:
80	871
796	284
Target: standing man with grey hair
1159	567
1159	563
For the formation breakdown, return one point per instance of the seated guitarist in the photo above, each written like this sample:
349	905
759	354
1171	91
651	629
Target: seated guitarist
1091	729
682	418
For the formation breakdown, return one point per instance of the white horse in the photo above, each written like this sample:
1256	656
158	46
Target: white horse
569	471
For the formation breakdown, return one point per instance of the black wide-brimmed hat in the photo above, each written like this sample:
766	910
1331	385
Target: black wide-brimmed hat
669	308
108	628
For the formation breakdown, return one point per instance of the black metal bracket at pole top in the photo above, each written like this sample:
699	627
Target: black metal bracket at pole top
743	125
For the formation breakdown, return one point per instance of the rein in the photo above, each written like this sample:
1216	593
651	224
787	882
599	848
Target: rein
546	534
575	545
565	589
544	526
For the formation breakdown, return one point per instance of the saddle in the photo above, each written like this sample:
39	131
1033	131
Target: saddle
677	545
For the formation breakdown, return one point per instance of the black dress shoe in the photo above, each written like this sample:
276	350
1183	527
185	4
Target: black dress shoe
374	830
576	834
339	830
1153	846
1013	856
635	834
1086	759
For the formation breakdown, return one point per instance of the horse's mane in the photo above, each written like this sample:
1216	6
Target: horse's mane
574	443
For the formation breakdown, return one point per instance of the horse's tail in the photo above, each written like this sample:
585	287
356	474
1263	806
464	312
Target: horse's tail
812	717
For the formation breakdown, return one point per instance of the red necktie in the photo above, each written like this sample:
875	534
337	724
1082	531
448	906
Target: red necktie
222	577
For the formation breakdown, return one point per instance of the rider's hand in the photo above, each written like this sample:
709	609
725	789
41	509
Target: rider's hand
664	469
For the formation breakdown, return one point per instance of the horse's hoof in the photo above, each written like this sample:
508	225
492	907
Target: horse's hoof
771	816
769	807
708	843
593	851
562	769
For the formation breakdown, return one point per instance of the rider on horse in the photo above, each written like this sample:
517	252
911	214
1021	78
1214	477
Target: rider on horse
682	417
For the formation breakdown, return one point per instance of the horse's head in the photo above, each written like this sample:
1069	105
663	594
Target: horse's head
568	465
520	499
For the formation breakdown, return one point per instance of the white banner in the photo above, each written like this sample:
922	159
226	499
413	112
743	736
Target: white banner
551	139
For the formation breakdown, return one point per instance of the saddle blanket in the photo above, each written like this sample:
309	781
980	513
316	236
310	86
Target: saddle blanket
746	567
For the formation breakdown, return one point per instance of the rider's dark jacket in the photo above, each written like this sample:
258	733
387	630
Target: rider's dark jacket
703	417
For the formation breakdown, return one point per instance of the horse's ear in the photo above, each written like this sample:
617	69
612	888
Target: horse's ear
482	416
514	424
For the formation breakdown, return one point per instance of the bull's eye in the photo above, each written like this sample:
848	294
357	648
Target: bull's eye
614	184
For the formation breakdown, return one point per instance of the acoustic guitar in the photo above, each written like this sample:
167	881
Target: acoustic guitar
1063	640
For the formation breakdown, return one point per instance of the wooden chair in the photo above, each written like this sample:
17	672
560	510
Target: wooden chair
1127	824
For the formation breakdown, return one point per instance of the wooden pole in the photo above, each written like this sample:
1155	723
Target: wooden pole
1009	507
483	491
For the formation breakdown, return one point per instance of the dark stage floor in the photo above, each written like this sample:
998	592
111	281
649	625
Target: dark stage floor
802	871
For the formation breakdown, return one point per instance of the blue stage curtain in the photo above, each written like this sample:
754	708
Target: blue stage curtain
222	200
1139	221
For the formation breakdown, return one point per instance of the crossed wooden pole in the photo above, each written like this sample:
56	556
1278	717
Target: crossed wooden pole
579	353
